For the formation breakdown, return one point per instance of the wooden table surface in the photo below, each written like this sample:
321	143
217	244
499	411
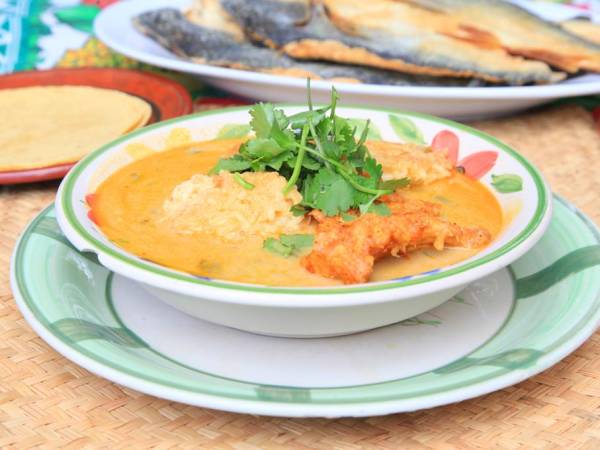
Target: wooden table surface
48	401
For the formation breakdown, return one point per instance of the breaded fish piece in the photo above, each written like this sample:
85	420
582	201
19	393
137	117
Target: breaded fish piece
199	42
350	35
195	38
521	32
347	251
585	29
416	162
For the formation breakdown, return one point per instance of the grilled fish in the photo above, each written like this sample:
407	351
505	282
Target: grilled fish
585	29
227	48
521	32
357	32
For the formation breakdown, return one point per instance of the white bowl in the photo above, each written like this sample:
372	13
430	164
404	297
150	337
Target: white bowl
310	312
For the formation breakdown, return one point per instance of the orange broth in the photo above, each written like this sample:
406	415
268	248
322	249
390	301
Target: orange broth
127	206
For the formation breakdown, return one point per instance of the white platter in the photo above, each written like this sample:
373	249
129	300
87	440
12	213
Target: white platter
113	27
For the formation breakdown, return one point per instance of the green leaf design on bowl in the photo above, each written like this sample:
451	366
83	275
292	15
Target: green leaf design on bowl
406	129
507	183
233	131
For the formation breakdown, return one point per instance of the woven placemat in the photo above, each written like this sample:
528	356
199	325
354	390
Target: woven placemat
48	401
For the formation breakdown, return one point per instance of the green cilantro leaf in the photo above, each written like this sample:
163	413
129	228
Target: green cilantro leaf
297	241
310	163
264	116
243	183
276	162
381	209
262	148
321	154
285	139
288	244
275	246
262	119
392	185
300	119
346	217
373	169
329	192
236	163
298	210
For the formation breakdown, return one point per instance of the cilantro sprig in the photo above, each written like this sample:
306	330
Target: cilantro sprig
288	244
318	152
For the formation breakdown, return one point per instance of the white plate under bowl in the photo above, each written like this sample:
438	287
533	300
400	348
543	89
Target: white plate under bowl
311	312
113	27
500	330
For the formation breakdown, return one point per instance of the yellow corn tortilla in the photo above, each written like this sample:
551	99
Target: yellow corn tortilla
51	125
145	112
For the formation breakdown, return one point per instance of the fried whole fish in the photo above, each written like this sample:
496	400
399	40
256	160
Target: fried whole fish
227	48
520	32
352	32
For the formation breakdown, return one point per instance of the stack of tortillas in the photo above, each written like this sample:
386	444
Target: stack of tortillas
48	126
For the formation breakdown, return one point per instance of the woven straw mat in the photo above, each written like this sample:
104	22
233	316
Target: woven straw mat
47	401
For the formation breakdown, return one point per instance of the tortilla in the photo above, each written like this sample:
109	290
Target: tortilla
52	125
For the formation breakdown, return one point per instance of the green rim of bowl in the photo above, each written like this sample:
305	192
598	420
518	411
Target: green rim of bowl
71	179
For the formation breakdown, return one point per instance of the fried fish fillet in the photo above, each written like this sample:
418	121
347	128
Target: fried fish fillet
353	33
348	250
195	38
520	32
585	29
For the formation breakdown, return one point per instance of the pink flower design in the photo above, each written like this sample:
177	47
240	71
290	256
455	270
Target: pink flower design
99	3
475	165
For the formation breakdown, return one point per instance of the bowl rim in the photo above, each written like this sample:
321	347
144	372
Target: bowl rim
187	284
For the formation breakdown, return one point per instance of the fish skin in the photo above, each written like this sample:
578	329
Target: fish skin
522	33
170	28
275	23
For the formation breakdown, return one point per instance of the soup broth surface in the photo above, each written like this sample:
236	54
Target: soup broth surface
127	206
